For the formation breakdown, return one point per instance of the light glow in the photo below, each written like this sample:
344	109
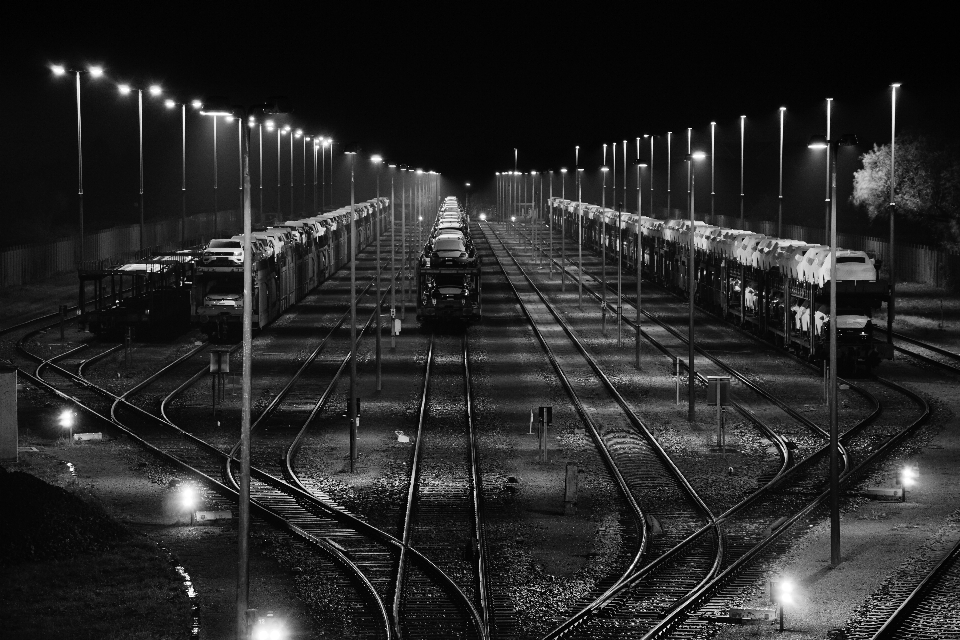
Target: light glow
376	159
196	104
155	90
563	170
66	419
58	69
698	155
169	104
96	71
188	497
124	89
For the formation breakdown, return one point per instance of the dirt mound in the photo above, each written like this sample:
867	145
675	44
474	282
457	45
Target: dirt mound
46	522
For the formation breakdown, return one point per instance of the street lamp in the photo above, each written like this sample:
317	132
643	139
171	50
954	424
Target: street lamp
563	235
154	90
639	256
466	198
243	582
822	142
603	245
780	196
94	72
170	103
713	160
352	409
691	274
891	255
378	160
293	134
743	124
393	265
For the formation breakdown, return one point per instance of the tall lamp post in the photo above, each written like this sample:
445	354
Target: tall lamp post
293	134
243	534
713	161
891	307
691	277
95	72
352	409
603	243
378	160
638	257
170	103
155	90
466	197
780	194
393	263
743	124
822	142
563	234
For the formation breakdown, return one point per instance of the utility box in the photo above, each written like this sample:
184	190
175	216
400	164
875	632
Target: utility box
719	384
8	412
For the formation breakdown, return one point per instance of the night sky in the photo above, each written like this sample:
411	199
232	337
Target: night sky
454	88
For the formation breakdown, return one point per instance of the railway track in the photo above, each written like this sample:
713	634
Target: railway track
864	444
925	352
649	481
920	604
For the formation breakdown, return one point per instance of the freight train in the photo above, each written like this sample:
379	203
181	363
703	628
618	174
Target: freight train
289	260
448	271
204	287
778	288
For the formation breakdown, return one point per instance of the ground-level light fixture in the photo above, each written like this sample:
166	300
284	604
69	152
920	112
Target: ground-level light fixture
781	592
66	421
268	628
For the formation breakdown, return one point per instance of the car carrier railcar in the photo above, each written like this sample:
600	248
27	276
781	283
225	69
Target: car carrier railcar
449	270
294	257
779	288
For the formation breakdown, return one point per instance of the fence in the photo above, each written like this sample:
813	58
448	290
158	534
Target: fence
25	264
914	263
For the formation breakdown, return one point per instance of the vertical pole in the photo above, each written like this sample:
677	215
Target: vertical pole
651	176
691	387
183	176
780	196
352	410
891	256
639	259
291	174
563	230
403	247
550	200
393	268
140	112
713	157
80	168
743	124
243	578
260	168
376	223
216	174
603	238
826	200
579	217
279	131
834	431
323	177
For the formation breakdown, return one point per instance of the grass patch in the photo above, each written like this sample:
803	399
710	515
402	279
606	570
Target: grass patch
130	592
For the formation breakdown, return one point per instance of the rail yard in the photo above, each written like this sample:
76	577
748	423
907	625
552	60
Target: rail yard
469	513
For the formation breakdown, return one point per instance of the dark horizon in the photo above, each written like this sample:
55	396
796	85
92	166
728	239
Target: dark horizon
457	96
